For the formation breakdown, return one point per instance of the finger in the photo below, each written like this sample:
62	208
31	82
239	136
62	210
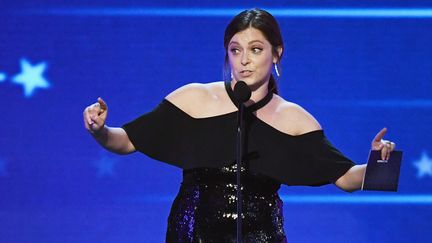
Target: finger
89	123
384	153
380	135
95	110
87	116
92	115
94	127
393	146
390	149
86	123
377	145
102	103
99	120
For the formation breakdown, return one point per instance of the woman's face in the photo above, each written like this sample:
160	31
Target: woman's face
250	57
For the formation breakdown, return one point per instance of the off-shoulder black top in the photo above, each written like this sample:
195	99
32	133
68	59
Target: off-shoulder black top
170	135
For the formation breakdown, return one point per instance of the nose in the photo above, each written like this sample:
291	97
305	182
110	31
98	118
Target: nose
245	58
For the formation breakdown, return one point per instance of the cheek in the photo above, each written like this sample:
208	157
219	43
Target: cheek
233	64
233	58
230	60
266	64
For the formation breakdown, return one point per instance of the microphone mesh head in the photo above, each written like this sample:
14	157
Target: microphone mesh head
242	92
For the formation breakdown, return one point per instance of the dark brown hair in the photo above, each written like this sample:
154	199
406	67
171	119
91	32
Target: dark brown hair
263	21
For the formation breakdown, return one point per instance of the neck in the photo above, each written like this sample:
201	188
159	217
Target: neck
258	92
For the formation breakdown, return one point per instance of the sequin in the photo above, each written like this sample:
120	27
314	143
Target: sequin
205	208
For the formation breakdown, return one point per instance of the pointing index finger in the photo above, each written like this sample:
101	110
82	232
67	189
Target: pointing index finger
380	135
102	103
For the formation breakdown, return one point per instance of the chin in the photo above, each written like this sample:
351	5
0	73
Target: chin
247	80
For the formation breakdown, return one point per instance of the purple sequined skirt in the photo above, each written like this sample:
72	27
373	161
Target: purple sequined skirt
205	208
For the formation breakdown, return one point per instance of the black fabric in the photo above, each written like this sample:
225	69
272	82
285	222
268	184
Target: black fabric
205	209
170	135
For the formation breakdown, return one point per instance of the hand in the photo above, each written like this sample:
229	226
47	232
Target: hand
385	146
95	116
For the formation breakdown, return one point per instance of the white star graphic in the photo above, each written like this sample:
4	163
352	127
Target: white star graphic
105	166
3	171
2	77
424	166
31	77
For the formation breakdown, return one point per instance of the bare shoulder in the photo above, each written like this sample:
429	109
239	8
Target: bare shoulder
192	97
293	119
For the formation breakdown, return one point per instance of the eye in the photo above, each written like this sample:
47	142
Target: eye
234	50
256	49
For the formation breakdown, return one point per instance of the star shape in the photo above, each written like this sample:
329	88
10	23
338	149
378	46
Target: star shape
3	171
31	77
424	166
2	77
105	166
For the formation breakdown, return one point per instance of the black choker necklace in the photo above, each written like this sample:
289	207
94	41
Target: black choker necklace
258	105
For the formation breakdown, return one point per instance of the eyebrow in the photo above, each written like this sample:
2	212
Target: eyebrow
250	42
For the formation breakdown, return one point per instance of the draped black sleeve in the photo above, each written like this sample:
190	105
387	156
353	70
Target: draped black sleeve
159	133
327	163
170	135
308	159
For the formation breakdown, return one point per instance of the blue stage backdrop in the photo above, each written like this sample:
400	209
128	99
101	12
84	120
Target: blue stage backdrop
357	66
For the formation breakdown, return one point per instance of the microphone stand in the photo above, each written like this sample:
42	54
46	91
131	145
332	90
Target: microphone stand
242	93
239	154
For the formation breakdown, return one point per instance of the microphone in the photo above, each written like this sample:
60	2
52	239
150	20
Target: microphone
242	92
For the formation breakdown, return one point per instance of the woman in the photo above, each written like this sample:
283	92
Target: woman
194	128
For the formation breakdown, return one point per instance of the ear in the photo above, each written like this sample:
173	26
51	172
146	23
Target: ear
279	54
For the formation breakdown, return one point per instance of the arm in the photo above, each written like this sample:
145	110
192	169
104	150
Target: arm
113	139
352	180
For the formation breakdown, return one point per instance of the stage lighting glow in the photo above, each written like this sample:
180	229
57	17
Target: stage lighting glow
31	77
228	12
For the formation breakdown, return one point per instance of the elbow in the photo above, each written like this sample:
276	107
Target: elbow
346	184
352	180
123	150
350	189
126	151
